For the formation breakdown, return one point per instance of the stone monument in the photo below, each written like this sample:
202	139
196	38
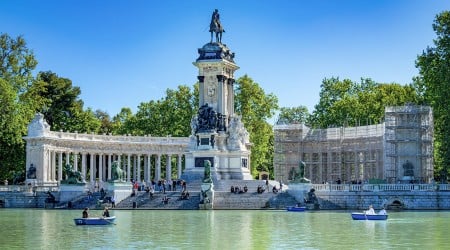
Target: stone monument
207	192
218	134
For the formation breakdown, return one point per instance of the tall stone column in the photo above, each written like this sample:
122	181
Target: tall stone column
75	161
158	167
68	158
100	167
149	168
138	169
60	167
169	168
51	175
83	166
201	89
179	169
92	168
221	79
128	168
109	166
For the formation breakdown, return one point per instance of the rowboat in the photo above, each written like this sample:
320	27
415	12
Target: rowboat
95	221
295	209
363	216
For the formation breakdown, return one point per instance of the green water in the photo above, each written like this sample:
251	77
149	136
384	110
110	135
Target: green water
150	229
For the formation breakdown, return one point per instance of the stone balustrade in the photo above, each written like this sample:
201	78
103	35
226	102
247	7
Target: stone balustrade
380	187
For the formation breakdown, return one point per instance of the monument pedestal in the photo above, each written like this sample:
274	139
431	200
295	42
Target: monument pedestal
119	190
207	196
68	192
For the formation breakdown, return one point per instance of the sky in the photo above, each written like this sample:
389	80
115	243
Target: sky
122	53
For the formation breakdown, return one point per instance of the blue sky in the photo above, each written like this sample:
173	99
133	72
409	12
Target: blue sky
122	53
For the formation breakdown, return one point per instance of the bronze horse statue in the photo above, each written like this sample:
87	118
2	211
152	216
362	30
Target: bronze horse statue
216	27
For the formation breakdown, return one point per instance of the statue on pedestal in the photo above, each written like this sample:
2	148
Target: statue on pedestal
72	176
216	27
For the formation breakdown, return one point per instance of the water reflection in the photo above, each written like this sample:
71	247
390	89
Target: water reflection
54	229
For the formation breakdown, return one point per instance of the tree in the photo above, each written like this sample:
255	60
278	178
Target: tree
17	108
167	116
105	120
63	109
347	103
434	70
256	108
295	115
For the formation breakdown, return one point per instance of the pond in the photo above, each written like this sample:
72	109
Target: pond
223	229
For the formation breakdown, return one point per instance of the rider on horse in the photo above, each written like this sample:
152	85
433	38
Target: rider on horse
216	26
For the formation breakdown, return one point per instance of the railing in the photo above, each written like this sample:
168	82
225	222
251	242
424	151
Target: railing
25	188
381	187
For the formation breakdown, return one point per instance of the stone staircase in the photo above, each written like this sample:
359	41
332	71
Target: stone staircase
143	200
223	198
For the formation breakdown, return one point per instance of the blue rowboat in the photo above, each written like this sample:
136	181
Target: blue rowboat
95	221
295	209
363	216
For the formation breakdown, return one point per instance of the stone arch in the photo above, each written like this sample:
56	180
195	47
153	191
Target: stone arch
394	203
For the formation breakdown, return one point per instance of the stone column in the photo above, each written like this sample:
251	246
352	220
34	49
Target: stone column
83	166
109	166
138	169
75	161
179	170
51	175
92	168
158	167
230	97
201	89
169	168
60	167
149	167
128	168
67	158
100	167
221	79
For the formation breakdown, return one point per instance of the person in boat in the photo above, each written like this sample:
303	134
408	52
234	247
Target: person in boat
106	212
86	212
370	211
382	211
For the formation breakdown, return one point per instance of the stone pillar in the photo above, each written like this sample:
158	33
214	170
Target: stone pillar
158	167
201	89
149	167
75	161
60	167
83	166
100	168
179	169
134	168
92	168
138	169
67	158
221	79
109	166
169	168
128	168
230	95
51	175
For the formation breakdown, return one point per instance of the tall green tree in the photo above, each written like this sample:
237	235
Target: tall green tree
63	108
256	107
347	103
170	115
16	65
434	70
294	115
